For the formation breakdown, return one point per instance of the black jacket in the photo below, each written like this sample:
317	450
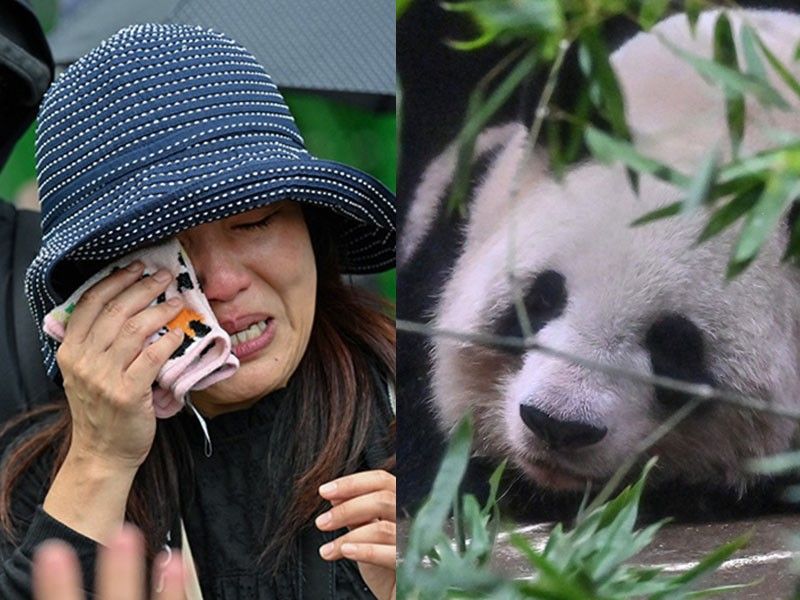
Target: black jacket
223	514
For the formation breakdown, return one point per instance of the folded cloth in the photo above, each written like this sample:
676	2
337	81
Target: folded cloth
203	358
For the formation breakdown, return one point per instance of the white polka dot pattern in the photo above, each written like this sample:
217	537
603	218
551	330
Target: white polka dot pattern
164	127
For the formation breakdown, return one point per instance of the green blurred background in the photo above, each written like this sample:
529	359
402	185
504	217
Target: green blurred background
332	129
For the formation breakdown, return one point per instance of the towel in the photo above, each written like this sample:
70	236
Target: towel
203	358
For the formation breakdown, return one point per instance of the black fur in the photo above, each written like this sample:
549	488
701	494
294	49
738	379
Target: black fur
545	300
677	350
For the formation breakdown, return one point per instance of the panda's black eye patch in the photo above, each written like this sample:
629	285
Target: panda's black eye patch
545	300
677	350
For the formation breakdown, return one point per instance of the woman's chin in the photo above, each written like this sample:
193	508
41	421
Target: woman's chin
238	392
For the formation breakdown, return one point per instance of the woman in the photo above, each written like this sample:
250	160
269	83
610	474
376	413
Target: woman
176	132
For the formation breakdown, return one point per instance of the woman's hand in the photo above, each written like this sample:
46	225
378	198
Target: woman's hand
120	572
108	373
365	503
108	377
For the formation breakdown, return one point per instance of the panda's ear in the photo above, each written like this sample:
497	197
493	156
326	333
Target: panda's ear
429	199
491	201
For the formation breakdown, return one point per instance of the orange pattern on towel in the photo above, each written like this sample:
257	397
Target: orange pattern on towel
183	320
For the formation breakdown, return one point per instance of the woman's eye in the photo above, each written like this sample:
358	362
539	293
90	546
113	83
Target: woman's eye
257	224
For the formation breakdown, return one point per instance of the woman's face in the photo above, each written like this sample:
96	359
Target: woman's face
258	272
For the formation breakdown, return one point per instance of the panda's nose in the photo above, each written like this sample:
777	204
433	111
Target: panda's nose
560	435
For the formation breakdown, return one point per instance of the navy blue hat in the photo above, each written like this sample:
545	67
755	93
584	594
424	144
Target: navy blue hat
164	127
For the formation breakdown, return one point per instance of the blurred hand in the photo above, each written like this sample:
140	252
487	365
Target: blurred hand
120	572
366	504
108	373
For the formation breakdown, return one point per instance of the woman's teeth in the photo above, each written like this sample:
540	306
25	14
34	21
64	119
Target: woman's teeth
251	333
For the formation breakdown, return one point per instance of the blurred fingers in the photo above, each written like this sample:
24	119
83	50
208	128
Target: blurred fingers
56	573
120	567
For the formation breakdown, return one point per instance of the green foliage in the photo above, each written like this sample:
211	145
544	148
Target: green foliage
752	192
587	561
725	54
401	6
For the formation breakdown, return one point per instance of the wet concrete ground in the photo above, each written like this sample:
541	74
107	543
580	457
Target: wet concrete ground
766	560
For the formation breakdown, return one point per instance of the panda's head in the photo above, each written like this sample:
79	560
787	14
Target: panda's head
645	298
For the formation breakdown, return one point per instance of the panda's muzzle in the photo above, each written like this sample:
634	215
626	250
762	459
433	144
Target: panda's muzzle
557	434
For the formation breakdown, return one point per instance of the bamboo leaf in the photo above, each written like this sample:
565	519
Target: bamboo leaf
779	68
670	210
494	485
610	100
720	74
478	116
401	6
609	149
731	212
709	562
725	54
652	12
750	42
780	190
504	21
692	9
775	464
701	184
429	522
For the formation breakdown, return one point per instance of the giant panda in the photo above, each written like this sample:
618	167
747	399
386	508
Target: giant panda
645	298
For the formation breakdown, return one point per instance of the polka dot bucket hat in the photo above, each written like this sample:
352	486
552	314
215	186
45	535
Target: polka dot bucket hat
164	127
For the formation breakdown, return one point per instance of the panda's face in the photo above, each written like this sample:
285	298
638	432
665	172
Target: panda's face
639	298
646	298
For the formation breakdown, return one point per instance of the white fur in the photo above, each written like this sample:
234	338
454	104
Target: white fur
619	279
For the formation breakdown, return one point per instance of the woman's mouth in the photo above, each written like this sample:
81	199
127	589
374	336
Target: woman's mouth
246	343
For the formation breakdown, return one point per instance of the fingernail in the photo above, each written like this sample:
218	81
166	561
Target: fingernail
327	488
163	276
348	548
176	301
323	519
326	550
135	266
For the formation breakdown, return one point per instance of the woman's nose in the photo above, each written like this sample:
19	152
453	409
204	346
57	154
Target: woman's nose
220	272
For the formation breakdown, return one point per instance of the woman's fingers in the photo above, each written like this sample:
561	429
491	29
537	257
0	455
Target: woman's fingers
120	572
378	533
357	511
117	317
150	360
120	567
380	555
93	300
56	573
138	328
358	484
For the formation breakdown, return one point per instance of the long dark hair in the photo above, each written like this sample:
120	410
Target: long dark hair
334	404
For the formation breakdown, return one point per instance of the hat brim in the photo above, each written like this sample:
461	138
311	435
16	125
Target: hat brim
161	203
